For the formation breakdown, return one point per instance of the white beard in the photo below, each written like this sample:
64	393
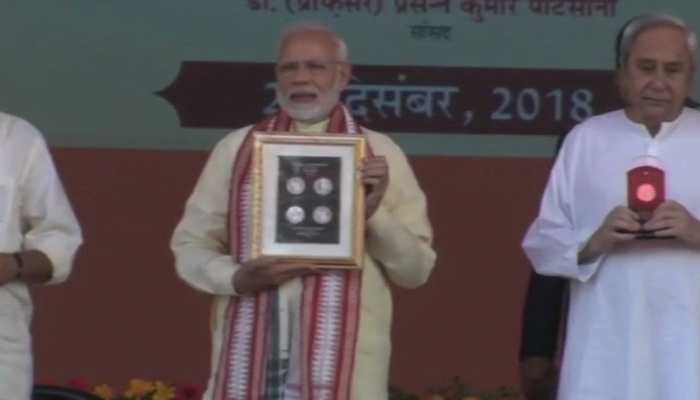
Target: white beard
310	112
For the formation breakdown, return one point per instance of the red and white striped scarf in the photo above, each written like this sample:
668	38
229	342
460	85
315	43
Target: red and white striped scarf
330	303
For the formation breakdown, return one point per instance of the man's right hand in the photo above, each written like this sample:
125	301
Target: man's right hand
265	273
619	226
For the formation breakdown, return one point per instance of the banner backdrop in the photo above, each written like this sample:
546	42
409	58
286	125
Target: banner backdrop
444	77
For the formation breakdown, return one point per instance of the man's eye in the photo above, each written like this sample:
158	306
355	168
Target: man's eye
316	66
290	67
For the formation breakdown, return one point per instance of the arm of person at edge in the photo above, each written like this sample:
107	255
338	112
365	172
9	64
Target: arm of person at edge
200	241
541	330
399	234
50	233
538	378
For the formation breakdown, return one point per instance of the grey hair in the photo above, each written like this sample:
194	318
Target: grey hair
639	24
303	27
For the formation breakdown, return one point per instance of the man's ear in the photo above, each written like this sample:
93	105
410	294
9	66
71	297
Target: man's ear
620	82
345	74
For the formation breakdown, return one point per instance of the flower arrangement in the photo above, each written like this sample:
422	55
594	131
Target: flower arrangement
140	389
456	390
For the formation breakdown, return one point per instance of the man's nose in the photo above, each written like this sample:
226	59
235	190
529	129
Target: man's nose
302	74
659	80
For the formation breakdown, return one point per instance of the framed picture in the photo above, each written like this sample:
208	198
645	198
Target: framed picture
309	198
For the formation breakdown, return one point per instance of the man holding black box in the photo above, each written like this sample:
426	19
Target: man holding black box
634	317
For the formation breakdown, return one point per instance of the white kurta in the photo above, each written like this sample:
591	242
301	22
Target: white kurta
634	318
34	215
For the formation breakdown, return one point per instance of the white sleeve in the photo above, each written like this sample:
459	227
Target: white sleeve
553	241
48	222
399	234
200	241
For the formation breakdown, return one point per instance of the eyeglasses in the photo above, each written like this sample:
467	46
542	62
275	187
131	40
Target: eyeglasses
314	67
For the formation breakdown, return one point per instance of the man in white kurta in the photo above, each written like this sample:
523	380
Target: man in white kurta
39	236
634	319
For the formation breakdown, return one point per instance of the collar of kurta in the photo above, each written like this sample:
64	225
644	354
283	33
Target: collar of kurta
313	127
667	127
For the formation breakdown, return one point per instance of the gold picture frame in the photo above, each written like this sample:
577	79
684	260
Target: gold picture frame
308	198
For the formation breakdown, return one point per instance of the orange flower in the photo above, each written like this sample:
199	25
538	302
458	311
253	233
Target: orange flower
104	392
163	391
139	388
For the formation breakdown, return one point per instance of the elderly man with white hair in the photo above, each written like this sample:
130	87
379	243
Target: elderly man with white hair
634	315
288	353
